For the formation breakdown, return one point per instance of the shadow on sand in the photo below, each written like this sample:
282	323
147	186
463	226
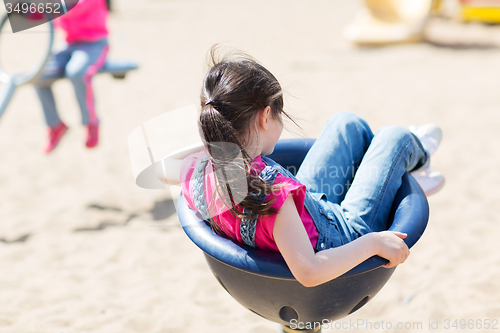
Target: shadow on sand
161	210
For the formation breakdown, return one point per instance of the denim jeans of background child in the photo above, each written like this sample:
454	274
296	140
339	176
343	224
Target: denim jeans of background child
358	172
79	62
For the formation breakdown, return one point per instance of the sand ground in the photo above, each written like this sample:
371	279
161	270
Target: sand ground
83	249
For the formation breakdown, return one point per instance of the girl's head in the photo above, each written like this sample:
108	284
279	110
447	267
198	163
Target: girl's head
241	107
237	97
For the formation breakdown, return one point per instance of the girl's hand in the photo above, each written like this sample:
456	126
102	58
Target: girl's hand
392	247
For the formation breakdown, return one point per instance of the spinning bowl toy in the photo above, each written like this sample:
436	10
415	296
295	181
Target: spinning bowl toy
262	282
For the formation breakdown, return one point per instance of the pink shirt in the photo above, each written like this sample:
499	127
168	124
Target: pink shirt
86	22
264	230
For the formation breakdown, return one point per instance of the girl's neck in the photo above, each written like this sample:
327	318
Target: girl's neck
254	149
253	146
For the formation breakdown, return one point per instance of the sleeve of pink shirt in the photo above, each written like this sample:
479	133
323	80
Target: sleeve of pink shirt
264	234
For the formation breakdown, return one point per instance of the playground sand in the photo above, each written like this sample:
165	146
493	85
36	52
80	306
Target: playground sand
83	249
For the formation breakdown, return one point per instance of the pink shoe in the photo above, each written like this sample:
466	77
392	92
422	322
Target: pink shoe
92	135
55	135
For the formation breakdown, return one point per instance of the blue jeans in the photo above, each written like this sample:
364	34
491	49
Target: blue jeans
358	172
78	62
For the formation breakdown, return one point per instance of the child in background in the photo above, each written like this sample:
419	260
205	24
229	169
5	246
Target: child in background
83	54
328	218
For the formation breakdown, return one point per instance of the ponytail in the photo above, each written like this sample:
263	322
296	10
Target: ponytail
235	176
234	91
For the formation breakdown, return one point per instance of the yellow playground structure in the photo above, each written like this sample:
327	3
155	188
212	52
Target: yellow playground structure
380	22
487	11
389	21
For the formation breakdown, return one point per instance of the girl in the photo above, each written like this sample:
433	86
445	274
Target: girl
83	54
328	218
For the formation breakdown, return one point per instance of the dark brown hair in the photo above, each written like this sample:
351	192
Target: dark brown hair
235	89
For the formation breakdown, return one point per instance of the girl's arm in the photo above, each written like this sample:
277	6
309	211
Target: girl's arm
312	269
168	169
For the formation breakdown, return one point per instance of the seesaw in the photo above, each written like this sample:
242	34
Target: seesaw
262	282
117	68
